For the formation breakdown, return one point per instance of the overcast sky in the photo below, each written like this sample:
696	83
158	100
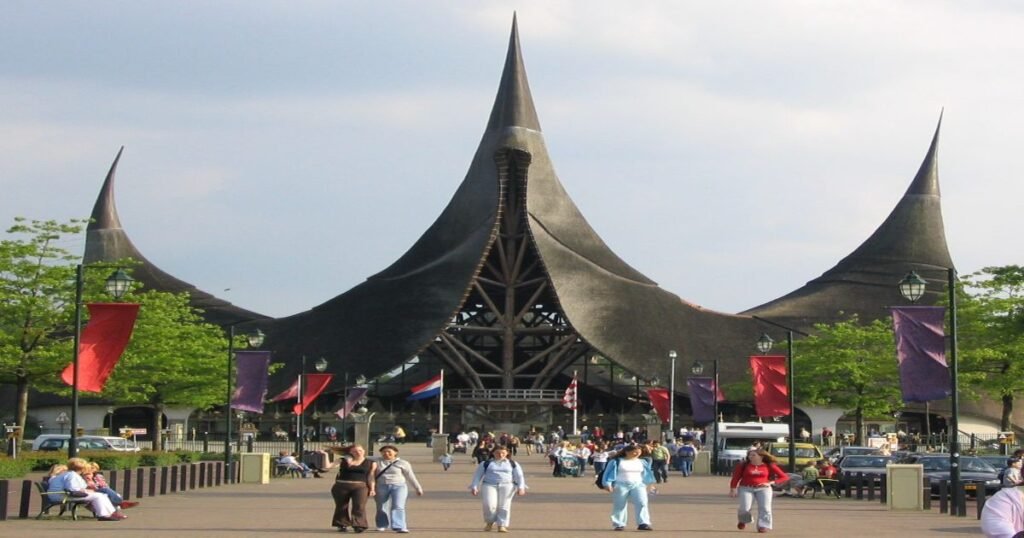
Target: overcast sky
731	151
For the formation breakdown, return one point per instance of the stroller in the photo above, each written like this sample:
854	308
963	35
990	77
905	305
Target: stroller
568	466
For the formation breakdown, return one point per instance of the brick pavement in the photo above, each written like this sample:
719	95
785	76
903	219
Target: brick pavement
696	506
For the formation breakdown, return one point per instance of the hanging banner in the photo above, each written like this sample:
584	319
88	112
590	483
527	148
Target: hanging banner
702	398
921	352
290	393
660	402
103	341
771	398
313	385
251	383
354	395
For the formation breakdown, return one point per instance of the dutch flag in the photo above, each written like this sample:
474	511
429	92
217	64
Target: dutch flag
428	389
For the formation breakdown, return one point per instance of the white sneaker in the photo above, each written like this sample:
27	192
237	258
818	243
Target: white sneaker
382	529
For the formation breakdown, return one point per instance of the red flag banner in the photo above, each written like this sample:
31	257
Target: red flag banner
570	400
313	385
103	341
771	398
660	402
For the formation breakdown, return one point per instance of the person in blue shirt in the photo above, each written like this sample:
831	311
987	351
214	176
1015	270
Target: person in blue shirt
496	481
627	477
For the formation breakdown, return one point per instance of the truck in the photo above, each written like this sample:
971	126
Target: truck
735	438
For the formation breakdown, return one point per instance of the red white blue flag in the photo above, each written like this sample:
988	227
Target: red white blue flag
428	389
570	399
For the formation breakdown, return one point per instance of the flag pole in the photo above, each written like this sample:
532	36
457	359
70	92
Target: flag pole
440	410
575	404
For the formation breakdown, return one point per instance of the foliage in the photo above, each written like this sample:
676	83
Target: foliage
849	365
990	325
158	459
14	468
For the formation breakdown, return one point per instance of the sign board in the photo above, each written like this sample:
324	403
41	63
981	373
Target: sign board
62	418
134	431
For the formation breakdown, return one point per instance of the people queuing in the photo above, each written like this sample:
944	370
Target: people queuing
497	481
752	479
393	478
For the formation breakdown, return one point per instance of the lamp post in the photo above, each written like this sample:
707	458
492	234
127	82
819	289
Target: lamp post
764	345
255	340
320	365
117	285
672	396
912	287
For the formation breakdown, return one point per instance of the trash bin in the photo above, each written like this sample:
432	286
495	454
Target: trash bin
255	468
702	463
903	484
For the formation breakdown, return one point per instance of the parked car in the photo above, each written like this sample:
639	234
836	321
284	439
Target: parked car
973	472
835	455
998	462
873	466
805	453
59	442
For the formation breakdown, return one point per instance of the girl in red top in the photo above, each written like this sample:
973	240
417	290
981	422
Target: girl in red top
754	478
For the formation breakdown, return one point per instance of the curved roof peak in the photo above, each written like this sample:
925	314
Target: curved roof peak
104	212
927	179
513	106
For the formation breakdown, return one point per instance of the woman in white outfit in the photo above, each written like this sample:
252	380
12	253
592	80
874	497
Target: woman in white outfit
626	477
394	476
72	482
496	481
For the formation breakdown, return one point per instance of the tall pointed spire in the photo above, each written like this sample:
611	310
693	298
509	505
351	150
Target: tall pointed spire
104	212
927	179
513	106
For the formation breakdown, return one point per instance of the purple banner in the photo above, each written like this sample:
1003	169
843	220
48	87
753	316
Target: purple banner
921	351
252	380
702	398
354	395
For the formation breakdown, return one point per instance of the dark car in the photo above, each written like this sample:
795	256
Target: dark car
996	461
974	472
870	466
838	453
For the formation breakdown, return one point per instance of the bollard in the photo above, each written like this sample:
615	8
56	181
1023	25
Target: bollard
980	498
883	492
4	489
184	478
173	480
202	475
139	482
26	495
127	487
152	481
944	497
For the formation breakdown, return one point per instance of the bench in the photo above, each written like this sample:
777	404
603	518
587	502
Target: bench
282	469
66	502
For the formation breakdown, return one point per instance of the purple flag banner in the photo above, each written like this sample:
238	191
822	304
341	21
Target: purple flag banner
921	351
354	395
702	398
252	380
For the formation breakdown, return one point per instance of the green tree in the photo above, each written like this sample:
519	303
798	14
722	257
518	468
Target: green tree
36	290
851	366
174	359
990	322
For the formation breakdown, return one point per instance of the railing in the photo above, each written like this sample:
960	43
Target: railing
519	395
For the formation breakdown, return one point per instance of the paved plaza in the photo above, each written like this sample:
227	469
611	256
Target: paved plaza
696	506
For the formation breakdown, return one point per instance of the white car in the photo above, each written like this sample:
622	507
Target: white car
59	442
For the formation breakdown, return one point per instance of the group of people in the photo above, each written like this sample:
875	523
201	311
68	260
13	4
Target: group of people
1003	514
82	480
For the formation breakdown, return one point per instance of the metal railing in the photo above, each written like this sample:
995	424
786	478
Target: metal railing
524	395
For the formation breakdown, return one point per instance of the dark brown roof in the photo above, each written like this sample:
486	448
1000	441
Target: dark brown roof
106	240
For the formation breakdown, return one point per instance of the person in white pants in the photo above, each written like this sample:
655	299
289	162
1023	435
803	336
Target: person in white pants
497	481
72	481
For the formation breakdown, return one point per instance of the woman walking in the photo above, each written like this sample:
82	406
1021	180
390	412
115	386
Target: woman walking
753	478
352	487
496	481
626	477
393	478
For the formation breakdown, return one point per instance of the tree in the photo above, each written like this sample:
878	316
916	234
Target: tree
174	359
851	366
36	290
991	330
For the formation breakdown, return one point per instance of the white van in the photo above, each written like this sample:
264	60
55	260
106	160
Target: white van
59	442
735	438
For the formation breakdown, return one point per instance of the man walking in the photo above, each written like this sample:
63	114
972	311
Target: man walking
660	459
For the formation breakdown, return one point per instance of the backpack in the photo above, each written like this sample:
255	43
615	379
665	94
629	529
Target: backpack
687	451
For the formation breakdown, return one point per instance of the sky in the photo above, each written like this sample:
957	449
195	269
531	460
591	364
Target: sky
278	153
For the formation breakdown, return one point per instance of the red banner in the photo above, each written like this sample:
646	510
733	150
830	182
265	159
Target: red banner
660	402
771	398
103	341
312	386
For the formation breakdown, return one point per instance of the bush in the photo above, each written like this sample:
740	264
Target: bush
14	468
185	456
211	456
157	459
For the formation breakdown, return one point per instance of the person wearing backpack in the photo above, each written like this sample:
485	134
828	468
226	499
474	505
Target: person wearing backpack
752	479
627	477
686	454
497	481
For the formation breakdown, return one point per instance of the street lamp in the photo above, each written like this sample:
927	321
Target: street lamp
320	365
672	397
117	285
254	340
764	345
912	287
698	369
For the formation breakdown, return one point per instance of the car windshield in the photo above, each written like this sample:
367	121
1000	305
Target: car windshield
865	461
966	464
741	443
801	452
857	451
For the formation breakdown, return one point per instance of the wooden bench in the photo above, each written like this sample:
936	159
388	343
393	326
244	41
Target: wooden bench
66	502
